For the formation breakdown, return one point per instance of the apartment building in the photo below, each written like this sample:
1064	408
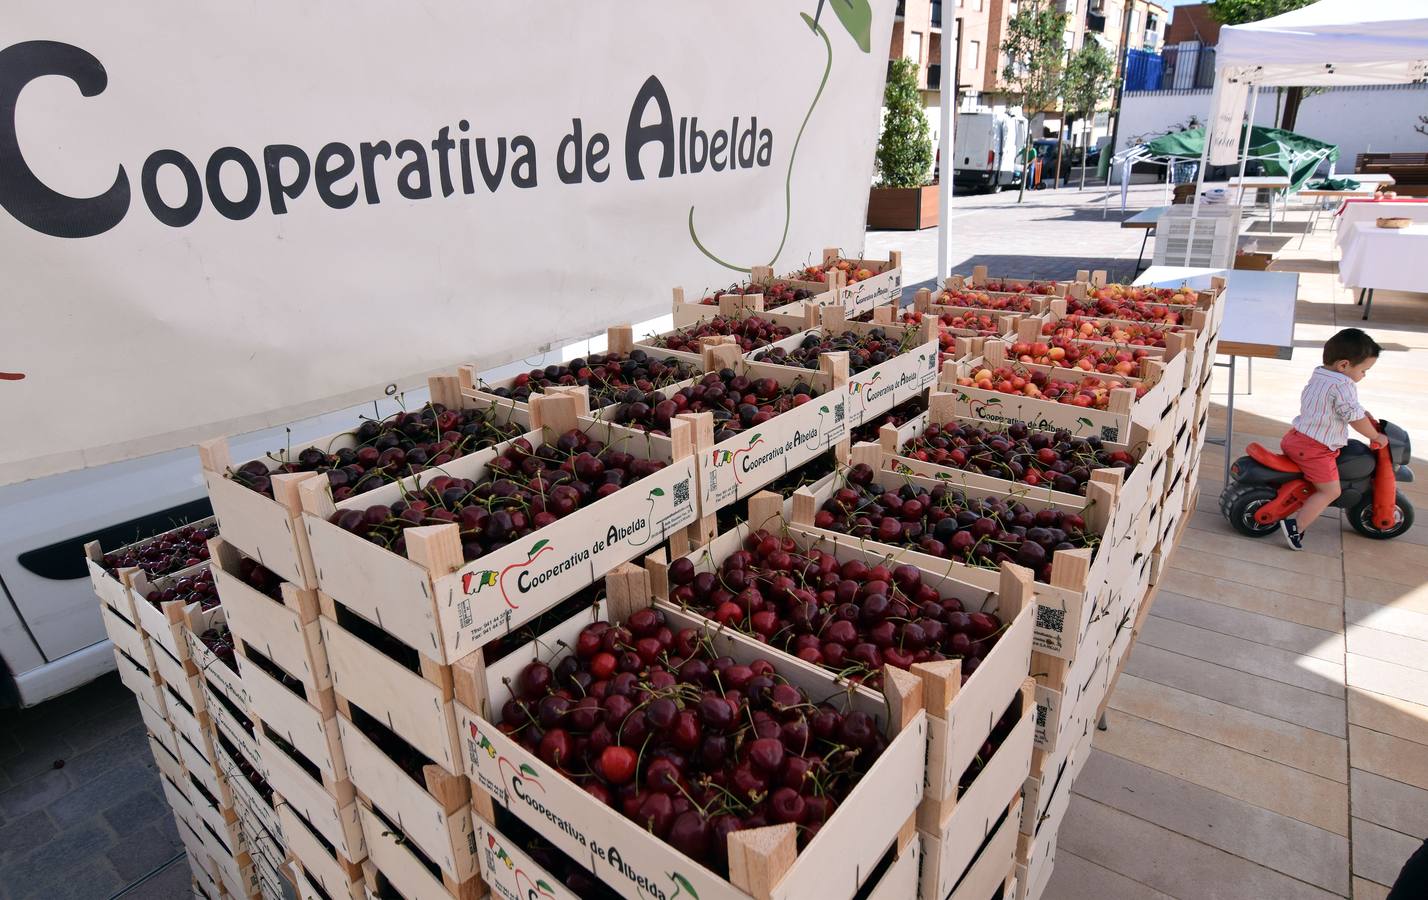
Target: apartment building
922	25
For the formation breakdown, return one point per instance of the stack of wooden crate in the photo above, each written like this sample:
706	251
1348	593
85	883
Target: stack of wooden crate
348	741
195	709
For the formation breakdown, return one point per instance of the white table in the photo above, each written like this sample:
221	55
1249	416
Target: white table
1394	259
1146	220
1258	320
1273	183
1354	213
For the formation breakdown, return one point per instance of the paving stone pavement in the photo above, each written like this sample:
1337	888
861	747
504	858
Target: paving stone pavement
82	815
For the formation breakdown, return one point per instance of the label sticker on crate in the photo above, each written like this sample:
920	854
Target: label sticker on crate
739	466
513	585
879	389
861	296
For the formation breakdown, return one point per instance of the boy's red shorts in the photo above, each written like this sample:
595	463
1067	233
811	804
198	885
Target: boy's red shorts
1316	460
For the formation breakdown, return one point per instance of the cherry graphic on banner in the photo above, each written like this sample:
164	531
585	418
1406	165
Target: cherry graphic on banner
857	19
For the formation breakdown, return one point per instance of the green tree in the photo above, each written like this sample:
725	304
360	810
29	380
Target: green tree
1238	12
1089	78
905	148
1034	52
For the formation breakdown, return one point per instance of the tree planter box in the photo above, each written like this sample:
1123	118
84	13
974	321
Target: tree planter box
446	608
638	865
907	209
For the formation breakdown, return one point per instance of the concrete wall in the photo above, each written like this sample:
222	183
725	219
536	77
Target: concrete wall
1358	119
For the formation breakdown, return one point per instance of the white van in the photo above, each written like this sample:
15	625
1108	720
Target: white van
985	147
52	636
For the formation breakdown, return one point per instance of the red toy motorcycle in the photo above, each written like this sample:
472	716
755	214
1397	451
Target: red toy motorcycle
1265	487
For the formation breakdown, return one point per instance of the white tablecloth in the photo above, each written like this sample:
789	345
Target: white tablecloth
1367	212
1391	259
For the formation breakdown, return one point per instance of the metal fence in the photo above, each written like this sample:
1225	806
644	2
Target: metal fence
1187	66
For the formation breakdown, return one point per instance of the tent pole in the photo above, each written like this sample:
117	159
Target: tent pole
1199	188
1244	158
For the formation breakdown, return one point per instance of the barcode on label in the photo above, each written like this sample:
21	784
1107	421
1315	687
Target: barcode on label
1110	433
681	492
1048	619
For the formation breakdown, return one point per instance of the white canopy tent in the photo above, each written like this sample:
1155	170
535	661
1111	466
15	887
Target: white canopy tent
1332	42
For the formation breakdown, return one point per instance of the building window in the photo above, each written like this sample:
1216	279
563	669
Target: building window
974	53
914	48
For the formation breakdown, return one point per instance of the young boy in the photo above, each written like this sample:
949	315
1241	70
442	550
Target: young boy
1328	408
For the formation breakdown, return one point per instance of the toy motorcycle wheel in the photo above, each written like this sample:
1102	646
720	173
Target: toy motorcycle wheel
1238	504
1361	518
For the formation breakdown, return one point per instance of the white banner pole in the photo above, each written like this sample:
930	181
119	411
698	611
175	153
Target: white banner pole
946	144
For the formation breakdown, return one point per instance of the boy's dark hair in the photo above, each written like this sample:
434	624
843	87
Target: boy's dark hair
1351	344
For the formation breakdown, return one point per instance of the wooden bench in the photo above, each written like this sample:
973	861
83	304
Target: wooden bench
1409	170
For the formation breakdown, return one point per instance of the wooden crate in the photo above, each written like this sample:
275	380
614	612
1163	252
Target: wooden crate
1048	789
168	762
330	807
884	286
182	681
310	887
319	862
956	829
140	681
199	766
993	868
233	723
249	804
219	674
738	466
285	631
396	860
877	389
270	530
1034	873
162	624
205	884
190	724
176	794
232	866
470	389
434	812
126	636
433	602
833	864
687	312
800	318
941	409
159	729
1193	333
113	589
307	722
1065	607
982	280
960	716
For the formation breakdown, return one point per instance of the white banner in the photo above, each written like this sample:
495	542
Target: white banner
1227	113
219	217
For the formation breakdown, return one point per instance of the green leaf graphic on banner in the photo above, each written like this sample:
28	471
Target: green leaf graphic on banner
857	17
